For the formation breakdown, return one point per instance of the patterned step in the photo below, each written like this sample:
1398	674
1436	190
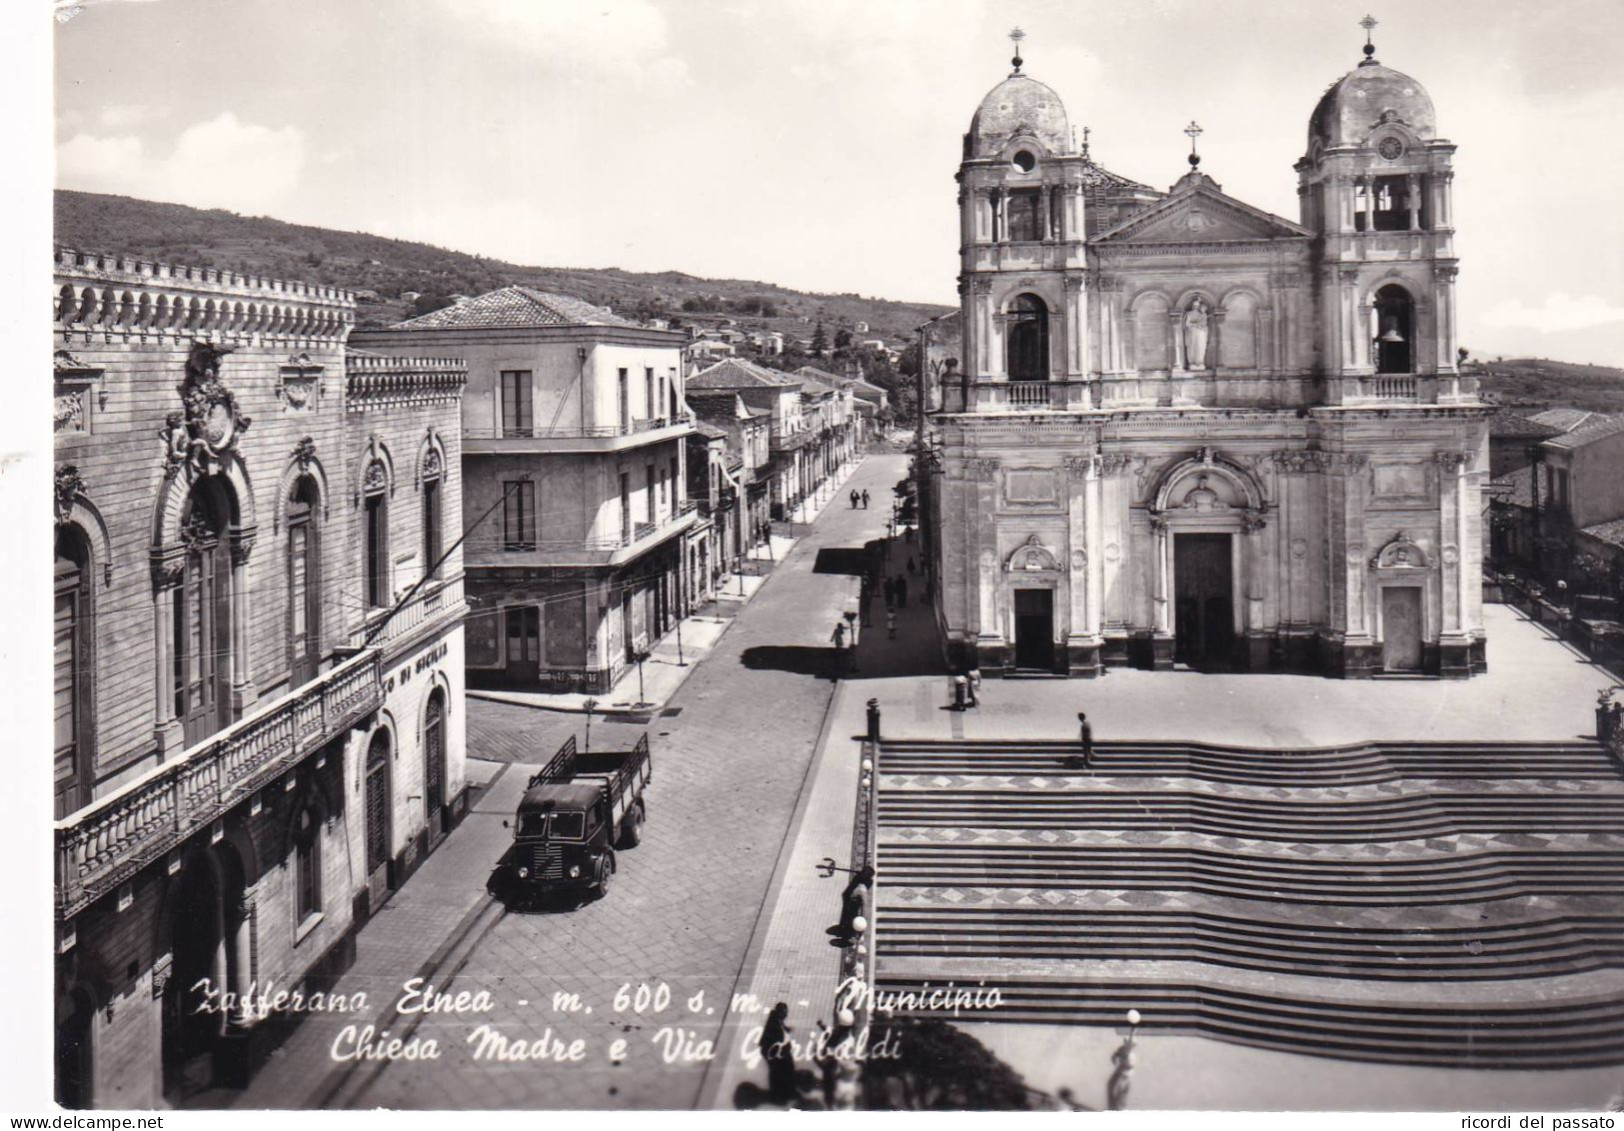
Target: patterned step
1485	952
1554	1034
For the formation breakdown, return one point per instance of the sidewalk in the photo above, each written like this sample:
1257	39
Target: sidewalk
672	657
791	957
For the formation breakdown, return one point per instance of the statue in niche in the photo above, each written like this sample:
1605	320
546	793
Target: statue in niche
1195	335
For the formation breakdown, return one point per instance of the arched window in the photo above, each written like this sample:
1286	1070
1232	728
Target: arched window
73	683
1028	339
1395	330
307	863
434	759
202	615
304	582
377	802
433	542
376	571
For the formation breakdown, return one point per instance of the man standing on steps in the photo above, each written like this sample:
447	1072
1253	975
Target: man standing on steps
1085	738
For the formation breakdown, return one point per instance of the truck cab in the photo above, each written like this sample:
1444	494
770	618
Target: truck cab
572	817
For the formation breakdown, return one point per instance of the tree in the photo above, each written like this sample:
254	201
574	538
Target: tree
820	341
842	338
939	1068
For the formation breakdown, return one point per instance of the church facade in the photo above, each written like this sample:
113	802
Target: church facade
1183	430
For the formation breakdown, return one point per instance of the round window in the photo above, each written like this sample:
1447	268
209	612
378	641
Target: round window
1025	162
1391	148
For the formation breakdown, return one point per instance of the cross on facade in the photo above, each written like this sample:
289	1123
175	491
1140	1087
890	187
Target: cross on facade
1193	131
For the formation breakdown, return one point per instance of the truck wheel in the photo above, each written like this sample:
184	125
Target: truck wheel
631	834
606	869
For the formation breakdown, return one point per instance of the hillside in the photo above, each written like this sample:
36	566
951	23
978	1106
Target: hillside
1536	381
388	268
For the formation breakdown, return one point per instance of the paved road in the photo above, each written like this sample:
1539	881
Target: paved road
730	765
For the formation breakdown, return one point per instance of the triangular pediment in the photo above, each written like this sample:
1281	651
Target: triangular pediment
1201	215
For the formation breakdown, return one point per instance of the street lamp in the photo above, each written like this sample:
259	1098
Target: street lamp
1116	1088
590	705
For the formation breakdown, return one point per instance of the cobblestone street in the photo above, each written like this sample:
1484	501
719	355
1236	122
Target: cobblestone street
731	755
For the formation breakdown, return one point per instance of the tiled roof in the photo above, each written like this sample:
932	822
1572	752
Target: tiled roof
513	308
1610	532
1598	427
1521	483
1562	419
1509	423
708	430
737	373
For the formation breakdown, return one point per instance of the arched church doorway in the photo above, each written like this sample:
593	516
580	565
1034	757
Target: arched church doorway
1204	602
1395	330
1028	339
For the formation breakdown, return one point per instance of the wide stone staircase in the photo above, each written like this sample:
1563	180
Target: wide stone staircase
1428	904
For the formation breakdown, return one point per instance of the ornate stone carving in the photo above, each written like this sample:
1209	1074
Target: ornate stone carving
981	285
1073	283
1452	462
1115	463
981	468
1400	552
212	422
161	969
69	485
1113	552
1032	557
1299	548
376	478
1079	560
1078	467
301	382
1202	499
69	411
1253	521
304	453
1450	555
242	547
432	464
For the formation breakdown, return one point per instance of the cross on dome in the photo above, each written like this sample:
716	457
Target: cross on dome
1369	24
1015	37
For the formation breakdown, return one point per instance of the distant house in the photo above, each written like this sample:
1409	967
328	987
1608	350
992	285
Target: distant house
861	328
410	296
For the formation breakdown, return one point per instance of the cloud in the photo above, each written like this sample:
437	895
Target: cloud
220	163
1560	312
122	117
622	39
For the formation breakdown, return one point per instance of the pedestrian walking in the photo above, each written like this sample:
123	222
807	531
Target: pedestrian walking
891	623
909	533
890	592
902	591
910	561
961	687
1085	738
854	500
839	634
779	1055
974	679
865	500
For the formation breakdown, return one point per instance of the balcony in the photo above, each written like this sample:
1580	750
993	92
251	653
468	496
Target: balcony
1392	387
116	836
502	551
435	598
565	438
1029	396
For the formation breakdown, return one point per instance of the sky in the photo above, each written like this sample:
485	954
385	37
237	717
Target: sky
813	143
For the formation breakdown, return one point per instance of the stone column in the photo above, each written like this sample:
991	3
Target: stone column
1412	192
243	695
1351	467
968	204
1077	360
1446	207
1445	274
1255	564
1367	340
1162	596
1343	191
1175	320
983	535
981	288
1000	226
1073	210
1048	212
166	724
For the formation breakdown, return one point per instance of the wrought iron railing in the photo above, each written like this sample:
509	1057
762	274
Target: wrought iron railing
571	431
114	837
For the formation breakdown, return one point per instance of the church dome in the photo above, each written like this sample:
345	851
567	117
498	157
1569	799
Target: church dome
1365	97
1018	105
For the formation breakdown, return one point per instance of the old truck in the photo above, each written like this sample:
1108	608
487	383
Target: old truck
572	817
